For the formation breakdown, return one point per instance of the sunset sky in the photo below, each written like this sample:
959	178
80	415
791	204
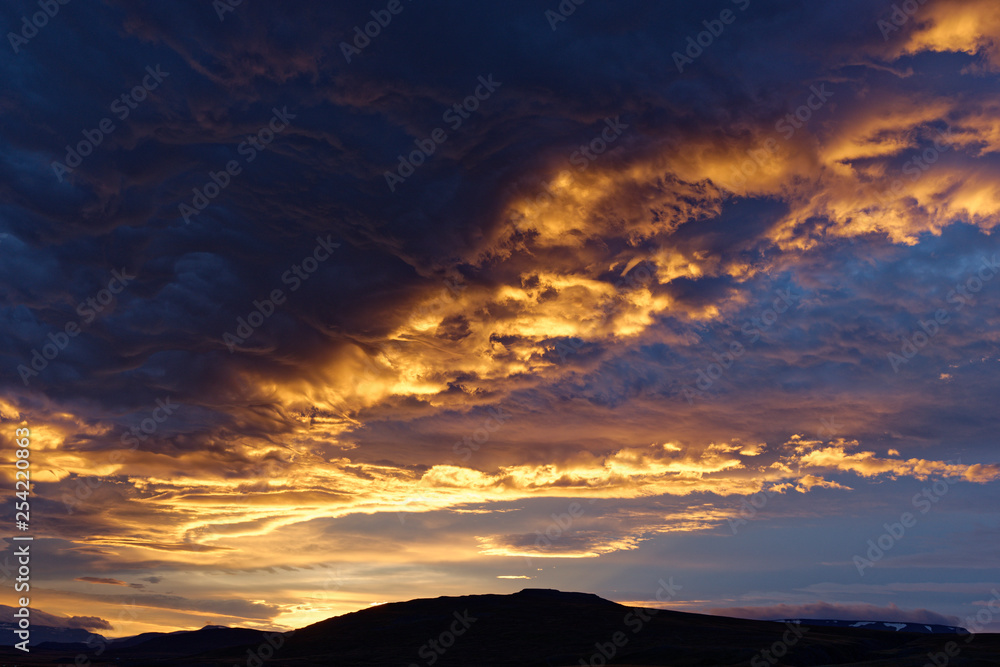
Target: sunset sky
304	319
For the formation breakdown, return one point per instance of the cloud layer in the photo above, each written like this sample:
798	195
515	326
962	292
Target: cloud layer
246	360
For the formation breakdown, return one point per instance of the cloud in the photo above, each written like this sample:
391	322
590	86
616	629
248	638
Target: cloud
966	27
99	580
42	618
801	154
235	609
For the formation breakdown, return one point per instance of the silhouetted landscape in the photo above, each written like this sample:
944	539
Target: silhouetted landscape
536	627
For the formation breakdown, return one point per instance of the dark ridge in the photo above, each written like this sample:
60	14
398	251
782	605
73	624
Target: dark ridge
887	626
533	628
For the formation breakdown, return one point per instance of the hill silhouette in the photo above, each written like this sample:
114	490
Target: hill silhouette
534	628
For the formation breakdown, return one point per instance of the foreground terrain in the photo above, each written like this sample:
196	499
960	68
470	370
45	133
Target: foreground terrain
534	627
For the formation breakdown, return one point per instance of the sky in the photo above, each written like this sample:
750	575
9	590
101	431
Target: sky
314	306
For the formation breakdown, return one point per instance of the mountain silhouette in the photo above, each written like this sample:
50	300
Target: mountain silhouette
536	628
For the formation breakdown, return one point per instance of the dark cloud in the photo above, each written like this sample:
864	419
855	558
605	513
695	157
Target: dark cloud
92	623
